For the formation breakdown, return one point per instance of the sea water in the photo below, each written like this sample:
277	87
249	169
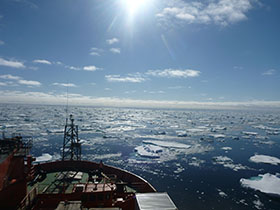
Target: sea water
202	158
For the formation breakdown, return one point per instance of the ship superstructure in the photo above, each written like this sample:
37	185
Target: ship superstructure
70	183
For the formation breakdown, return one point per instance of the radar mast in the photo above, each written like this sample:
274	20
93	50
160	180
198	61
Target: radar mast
71	141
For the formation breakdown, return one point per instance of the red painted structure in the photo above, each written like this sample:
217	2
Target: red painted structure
102	198
17	170
111	187
14	173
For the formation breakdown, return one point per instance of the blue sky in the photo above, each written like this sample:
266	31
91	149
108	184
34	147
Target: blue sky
150	53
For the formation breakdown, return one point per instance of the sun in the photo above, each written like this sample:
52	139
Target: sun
134	6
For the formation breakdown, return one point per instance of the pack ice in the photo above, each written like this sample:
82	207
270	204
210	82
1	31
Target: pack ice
266	183
265	159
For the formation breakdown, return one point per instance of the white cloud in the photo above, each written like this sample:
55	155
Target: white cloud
175	87
220	12
19	80
77	99
168	73
174	73
238	67
130	78
35	68
3	84
59	63
64	84
9	77
73	68
94	53
269	72
112	41
42	61
29	82
2	42
95	49
90	68
11	63
115	50
154	92
130	91
85	68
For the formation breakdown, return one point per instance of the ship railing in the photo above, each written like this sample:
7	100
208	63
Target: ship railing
28	200
27	142
25	146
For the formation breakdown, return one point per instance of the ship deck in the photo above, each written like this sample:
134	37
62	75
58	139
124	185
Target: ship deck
69	181
94	184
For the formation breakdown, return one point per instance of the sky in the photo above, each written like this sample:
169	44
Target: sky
141	53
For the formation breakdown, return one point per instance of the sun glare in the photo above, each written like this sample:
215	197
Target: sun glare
134	6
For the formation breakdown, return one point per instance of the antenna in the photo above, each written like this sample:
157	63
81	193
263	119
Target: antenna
67	104
71	142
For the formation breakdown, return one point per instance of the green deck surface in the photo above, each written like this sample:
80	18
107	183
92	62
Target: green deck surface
58	183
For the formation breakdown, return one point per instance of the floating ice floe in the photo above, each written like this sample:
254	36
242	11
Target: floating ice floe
226	148
179	169
167	144
268	130
248	133
159	133
273	133
262	137
266	183
217	136
228	163
55	130
258	204
8	126
218	128
196	162
196	130
262	127
121	128
265	159
222	194
106	156
182	133
149	151
44	158
266	142
86	127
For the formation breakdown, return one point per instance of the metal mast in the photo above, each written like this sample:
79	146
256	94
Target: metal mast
71	142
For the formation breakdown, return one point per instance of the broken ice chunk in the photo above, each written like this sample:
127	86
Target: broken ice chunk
217	136
248	133
228	163
226	148
265	159
266	183
167	144
182	133
222	194
43	158
258	204
149	151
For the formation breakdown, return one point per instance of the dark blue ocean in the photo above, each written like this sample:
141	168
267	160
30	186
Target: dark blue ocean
197	156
